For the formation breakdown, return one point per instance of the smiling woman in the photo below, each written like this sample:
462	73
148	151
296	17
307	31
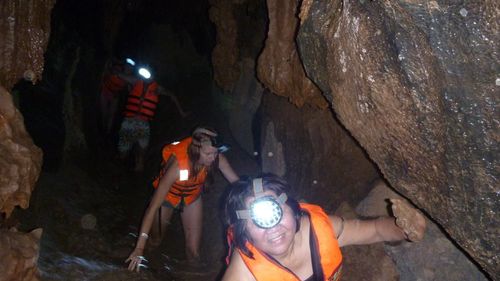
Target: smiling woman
302	242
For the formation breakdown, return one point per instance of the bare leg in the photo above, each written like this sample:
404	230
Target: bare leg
160	224
192	223
124	146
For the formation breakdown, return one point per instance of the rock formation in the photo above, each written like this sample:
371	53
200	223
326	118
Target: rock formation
19	255
25	27
415	84
21	160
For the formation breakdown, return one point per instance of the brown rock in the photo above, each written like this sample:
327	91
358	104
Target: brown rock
415	83
225	54
25	28
279	66
21	160
19	255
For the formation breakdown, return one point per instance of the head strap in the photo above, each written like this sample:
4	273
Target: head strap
258	190
200	130
282	198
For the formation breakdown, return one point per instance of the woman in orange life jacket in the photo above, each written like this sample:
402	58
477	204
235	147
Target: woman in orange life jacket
276	238
186	166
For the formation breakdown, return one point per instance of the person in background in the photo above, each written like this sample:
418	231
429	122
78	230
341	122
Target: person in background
187	164
139	111
273	237
112	86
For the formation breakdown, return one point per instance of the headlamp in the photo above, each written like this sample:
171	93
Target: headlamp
219	144
130	61
215	140
264	211
144	72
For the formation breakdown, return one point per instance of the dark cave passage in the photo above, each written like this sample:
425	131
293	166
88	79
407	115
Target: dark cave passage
352	102
89	203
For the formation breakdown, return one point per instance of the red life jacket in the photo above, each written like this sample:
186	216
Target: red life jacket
142	102
265	268
184	190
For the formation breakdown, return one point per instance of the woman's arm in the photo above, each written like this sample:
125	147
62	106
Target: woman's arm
227	170
164	92
409	224
159	196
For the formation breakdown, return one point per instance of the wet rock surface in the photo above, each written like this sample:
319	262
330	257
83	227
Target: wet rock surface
25	28
91	211
433	258
414	82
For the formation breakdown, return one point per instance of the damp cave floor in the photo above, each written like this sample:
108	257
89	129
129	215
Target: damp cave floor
90	208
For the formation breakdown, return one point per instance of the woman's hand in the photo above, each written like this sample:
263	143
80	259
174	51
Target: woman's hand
409	219
136	260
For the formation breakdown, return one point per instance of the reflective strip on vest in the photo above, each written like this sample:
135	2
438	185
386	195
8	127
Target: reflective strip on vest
186	188
183	175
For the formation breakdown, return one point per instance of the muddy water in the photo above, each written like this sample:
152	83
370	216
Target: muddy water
90	211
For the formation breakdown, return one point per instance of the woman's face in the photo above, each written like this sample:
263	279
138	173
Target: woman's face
275	241
208	154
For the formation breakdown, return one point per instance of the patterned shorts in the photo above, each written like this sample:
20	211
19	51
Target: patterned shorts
133	130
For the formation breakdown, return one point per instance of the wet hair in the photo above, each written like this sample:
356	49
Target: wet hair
201	135
235	200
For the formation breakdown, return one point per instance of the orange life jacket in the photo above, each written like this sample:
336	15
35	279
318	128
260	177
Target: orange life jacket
183	191
141	101
112	84
265	268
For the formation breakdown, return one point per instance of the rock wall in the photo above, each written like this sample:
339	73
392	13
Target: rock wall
279	66
314	153
415	82
433	258
25	28
225	54
21	160
246	99
19	255
295	136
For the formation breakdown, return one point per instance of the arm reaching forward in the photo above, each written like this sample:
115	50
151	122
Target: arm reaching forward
408	223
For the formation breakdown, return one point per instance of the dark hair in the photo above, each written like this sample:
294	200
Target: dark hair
235	200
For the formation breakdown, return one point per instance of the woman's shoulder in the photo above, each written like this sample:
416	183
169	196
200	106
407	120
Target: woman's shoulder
237	270
302	236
